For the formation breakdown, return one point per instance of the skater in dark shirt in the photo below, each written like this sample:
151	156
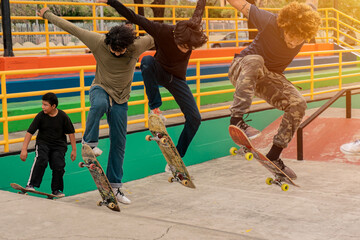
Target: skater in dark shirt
174	44
51	144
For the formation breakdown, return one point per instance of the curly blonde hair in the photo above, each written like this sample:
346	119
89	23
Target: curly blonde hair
299	20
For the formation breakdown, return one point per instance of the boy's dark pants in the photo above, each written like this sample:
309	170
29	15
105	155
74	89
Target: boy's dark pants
154	75
45	154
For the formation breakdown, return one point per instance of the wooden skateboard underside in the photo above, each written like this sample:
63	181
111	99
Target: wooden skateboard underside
168	149
239	137
25	191
100	179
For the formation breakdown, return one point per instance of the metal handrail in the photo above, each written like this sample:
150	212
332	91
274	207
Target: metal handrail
300	146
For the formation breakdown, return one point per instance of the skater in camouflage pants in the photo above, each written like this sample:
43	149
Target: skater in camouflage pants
258	69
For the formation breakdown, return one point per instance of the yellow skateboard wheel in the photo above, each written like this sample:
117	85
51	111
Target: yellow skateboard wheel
170	179
269	181
148	138
185	182
249	156
233	151
111	205
99	203
285	187
163	140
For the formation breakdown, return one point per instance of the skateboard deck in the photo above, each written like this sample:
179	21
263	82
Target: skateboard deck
25	191
246	148
100	179
168	149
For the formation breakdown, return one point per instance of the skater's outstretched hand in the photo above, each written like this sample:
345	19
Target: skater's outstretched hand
42	11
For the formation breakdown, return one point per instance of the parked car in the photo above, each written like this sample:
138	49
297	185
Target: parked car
231	38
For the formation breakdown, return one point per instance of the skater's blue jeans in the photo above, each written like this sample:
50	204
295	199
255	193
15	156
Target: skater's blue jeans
154	75
101	103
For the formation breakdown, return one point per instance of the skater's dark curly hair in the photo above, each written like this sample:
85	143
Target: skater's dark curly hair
189	32
119	38
299	20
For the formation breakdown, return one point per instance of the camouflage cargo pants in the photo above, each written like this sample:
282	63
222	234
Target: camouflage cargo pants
250	77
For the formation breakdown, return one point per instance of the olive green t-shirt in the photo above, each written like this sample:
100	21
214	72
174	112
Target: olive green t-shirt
113	74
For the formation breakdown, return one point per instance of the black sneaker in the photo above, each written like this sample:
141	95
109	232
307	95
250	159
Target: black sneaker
288	171
58	193
250	132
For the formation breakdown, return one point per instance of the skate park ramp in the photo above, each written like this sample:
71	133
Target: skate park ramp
231	201
322	138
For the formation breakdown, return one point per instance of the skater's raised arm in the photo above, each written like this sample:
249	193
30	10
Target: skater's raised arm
90	39
149	26
241	5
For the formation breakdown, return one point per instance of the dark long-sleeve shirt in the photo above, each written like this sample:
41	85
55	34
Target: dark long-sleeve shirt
167	53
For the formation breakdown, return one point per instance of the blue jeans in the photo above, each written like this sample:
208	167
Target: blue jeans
117	120
154	75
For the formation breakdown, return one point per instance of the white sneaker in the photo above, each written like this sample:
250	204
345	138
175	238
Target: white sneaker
157	111
30	188
120	196
97	151
352	148
167	168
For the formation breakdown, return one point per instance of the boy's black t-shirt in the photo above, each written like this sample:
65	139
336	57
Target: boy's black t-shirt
52	130
269	42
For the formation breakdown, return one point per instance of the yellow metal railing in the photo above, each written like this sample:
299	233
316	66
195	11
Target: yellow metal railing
199	90
334	22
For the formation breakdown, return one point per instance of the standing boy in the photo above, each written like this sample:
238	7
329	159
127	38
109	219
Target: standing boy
51	144
116	54
258	69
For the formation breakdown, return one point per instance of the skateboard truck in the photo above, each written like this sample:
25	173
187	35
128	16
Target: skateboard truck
158	138
243	151
91	166
278	181
178	177
105	202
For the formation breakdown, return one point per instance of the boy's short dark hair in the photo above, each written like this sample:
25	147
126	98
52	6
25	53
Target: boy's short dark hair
51	98
119	38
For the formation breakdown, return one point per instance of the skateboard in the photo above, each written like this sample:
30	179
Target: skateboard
100	179
246	149
25	191
168	149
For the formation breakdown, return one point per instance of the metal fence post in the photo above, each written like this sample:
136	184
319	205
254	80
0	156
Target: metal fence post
6	25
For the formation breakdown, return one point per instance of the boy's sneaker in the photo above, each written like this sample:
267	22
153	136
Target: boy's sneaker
30	187
97	151
250	132
58	193
157	111
288	171
352	148
168	169
120	196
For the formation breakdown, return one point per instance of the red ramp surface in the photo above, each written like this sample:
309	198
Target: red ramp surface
322	139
